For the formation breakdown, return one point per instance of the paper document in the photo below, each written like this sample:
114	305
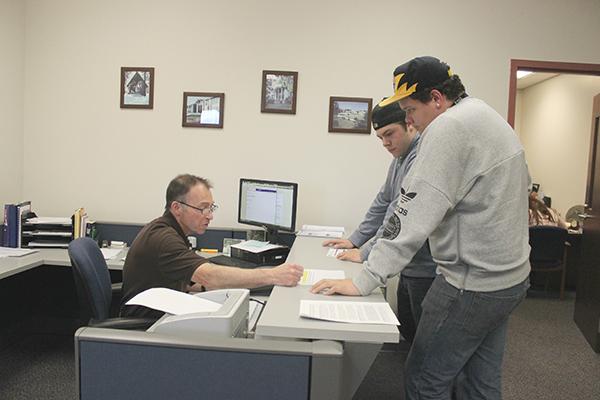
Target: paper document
356	312
109	253
255	246
312	276
321	231
50	220
14	252
335	252
173	301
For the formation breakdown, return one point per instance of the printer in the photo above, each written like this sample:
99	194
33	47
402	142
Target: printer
267	255
230	320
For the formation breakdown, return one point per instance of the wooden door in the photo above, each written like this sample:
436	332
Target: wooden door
587	301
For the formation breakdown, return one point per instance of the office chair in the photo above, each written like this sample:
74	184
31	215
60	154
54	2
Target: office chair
94	290
549	252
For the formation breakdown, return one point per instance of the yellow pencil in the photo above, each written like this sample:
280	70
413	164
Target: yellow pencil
209	250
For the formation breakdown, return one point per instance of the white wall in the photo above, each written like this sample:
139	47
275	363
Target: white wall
555	118
81	149
12	47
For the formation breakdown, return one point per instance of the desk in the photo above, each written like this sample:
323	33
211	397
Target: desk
361	342
354	345
280	317
42	286
56	257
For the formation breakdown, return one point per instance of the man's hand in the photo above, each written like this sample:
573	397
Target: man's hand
332	286
286	274
339	244
350	255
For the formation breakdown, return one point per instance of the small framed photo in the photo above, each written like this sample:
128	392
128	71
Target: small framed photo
350	114
279	92
137	87
203	109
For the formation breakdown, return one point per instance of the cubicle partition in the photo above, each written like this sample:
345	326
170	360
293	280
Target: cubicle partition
118	364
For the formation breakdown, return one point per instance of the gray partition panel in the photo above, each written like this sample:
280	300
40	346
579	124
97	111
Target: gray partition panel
133	371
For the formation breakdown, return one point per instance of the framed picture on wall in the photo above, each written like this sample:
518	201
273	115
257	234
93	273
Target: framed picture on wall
279	92
350	114
203	109
137	87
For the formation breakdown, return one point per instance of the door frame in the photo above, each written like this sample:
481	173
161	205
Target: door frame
551	67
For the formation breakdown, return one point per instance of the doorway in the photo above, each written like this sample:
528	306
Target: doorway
587	303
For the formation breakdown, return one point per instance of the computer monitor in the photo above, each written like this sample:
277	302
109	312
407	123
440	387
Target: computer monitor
269	204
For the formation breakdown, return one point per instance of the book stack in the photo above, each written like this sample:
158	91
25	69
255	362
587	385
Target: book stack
14	214
79	221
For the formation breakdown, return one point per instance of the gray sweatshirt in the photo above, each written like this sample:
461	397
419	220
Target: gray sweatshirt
467	193
382	207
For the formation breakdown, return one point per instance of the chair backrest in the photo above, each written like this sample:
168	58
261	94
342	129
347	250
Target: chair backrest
92	279
547	243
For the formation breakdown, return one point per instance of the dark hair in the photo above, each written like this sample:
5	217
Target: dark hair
180	186
452	88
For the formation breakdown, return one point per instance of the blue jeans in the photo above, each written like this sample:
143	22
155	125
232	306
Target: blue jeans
411	292
464	332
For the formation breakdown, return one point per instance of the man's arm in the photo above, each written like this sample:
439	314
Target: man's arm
212	276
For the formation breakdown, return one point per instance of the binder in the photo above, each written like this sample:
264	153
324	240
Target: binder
24	211
4	242
12	227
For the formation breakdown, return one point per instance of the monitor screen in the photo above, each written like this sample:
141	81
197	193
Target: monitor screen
268	203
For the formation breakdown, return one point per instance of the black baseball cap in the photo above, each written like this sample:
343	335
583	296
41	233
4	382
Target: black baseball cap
388	114
415	75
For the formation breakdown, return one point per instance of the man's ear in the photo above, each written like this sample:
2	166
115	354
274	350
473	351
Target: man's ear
437	96
175	208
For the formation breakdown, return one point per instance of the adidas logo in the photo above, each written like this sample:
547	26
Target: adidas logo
406	197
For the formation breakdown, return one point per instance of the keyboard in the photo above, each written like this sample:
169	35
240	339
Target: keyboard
232	262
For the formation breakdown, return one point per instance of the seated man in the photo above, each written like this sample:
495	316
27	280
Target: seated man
160	255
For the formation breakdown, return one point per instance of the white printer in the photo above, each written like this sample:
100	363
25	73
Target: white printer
231	320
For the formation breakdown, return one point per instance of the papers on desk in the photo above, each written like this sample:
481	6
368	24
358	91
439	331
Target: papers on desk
255	246
14	252
355	312
334	252
109	253
312	276
173	301
321	231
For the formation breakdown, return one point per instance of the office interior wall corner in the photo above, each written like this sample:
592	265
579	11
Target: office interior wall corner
12	45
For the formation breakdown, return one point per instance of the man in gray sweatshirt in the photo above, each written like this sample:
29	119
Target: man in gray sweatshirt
467	193
402	141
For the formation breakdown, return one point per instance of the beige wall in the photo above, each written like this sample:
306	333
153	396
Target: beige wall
556	117
12	45
81	149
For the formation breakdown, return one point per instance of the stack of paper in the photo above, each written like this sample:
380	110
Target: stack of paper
11	252
312	276
355	312
321	231
255	246
173	301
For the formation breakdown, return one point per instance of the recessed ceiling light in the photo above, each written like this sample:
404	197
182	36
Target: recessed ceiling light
523	74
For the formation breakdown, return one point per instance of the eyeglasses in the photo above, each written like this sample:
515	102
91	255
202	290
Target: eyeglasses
205	210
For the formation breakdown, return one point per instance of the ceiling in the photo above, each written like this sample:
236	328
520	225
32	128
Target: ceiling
534	78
